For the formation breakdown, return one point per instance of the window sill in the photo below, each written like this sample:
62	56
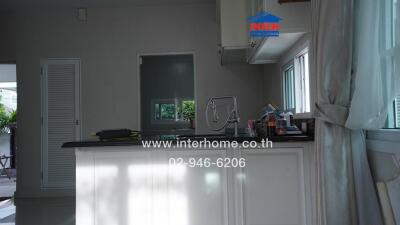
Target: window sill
384	140
308	115
392	135
170	122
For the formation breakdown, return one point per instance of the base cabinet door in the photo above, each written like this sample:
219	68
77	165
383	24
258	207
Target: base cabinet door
141	187
271	188
197	195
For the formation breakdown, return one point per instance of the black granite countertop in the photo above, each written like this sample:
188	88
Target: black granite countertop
98	143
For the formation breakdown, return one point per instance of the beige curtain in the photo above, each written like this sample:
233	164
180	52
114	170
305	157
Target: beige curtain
346	193
332	54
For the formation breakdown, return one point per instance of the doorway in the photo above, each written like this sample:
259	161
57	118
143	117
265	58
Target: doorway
8	127
167	96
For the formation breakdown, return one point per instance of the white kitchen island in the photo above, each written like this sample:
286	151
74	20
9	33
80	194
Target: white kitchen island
130	185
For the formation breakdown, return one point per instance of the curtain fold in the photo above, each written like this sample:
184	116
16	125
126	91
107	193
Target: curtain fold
368	208
376	79
332	54
376	82
357	79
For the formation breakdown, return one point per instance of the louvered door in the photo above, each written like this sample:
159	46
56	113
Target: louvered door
60	121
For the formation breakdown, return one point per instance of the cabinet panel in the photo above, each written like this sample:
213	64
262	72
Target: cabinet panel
142	188
201	193
233	23
124	188
272	187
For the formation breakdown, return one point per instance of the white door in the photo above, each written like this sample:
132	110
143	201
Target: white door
272	189
60	120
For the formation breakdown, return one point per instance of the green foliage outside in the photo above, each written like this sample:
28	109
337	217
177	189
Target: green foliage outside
188	110
6	118
167	111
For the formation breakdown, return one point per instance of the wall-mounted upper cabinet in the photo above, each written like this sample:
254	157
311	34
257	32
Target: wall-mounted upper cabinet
233	24
232	20
237	46
296	15
296	21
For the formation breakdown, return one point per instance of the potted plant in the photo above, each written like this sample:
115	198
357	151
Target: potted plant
188	112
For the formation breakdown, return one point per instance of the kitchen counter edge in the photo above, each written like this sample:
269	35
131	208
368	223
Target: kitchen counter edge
98	143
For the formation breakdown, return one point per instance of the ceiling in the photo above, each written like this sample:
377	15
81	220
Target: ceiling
18	4
271	49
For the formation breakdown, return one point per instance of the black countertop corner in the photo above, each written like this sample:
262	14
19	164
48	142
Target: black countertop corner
99	143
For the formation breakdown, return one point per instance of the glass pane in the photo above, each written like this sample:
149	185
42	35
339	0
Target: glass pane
289	88
167	111
306	84
302	88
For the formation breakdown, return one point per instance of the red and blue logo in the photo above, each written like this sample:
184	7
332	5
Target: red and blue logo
264	24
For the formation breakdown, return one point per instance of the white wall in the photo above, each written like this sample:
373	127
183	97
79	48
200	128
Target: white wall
273	84
108	45
7	40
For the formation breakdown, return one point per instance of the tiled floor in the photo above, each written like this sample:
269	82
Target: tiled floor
7	186
7	212
38	211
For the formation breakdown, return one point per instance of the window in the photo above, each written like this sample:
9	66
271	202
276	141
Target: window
296	84
172	110
8	98
288	87
166	83
8	87
393	120
164	111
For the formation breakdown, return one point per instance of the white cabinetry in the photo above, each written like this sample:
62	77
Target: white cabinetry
232	21
132	185
237	46
232	18
296	21
199	193
272	189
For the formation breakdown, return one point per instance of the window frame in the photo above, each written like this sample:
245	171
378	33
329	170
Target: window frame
306	84
285	68
176	102
392	121
304	49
